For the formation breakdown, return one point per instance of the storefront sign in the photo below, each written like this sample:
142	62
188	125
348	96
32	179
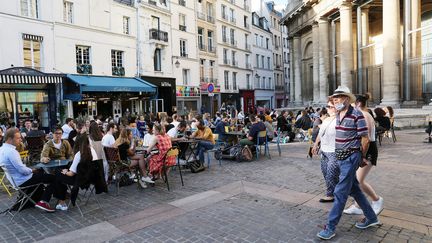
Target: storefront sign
186	91
165	84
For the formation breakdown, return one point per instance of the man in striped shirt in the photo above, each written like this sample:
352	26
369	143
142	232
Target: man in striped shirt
351	146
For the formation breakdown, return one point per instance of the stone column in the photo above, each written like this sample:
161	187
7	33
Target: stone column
316	67
346	44
324	59
365	36
291	70
297	71
392	48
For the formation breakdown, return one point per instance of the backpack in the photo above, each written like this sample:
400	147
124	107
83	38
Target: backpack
196	166
241	154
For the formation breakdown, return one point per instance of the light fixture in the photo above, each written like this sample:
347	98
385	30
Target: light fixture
177	64
256	75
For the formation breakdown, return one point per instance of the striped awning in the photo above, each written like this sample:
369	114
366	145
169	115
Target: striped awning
29	79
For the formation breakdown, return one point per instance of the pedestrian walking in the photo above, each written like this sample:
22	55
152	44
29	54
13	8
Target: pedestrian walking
372	156
325	142
352	143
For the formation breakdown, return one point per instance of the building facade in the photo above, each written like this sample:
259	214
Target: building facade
234	50
376	47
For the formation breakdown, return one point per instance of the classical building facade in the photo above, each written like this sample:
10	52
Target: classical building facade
376	47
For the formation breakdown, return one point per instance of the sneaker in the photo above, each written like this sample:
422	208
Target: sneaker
366	223
142	184
326	234
353	209
132	176
147	179
61	207
378	206
191	159
182	162
44	206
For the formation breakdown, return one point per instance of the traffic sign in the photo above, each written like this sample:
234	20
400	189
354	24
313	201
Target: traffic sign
210	88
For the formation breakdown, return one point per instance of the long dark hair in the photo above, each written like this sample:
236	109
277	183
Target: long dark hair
95	132
85	150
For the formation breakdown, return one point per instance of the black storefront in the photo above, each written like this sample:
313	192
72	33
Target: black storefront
166	96
231	101
28	94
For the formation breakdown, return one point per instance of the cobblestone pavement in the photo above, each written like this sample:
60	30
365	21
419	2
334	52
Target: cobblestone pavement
270	200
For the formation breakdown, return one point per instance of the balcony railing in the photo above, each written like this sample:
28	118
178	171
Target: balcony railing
247	25
152	2
182	27
84	68
234	63
225	16
248	66
201	15
233	20
233	42
118	71
226	61
225	39
280	87
202	47
248	47
210	19
212	49
182	54
160	35
182	2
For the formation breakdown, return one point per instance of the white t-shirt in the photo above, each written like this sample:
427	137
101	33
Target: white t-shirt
77	159
66	130
57	145
148	138
108	140
175	123
172	133
328	141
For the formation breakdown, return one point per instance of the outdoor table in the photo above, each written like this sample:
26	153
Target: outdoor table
238	134
190	142
52	165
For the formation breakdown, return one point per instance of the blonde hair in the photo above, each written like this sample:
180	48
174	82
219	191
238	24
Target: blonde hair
123	138
159	128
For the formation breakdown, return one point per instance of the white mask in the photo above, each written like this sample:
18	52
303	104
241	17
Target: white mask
339	106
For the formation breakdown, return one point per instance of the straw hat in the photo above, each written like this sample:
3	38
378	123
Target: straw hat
345	91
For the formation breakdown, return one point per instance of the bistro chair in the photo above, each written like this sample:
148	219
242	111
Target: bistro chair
171	153
262	136
117	167
2	182
25	157
216	149
25	194
278	140
35	146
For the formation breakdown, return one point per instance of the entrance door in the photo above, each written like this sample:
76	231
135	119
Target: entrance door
92	108
117	112
154	106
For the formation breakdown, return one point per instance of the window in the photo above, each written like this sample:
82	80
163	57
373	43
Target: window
117	63
82	55
126	26
183	50
83	59
224	14
256	39
232	15
245	22
186	76
226	79
224	34
182	3
155	23
247	60
201	39
232	34
202	62
270	85
267	43
157	60
210	40
233	57
262	61
225	56
261	41
257	61
234	80
68	12
210	10
29	8
268	62
32	52
211	70
182	22
248	82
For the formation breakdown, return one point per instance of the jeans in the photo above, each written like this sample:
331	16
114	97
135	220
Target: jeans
40	177
202	147
348	185
330	170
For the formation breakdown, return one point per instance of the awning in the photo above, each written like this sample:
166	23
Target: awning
111	84
23	75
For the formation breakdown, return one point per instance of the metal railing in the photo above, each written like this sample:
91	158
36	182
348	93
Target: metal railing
226	61
212	49
201	46
182	2
201	15
210	19
160	35
233	42
182	27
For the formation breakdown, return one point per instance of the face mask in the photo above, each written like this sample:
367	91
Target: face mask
339	106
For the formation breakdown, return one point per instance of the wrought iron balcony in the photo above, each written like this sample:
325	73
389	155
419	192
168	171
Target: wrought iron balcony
118	71
182	27
210	19
202	47
84	68
156	34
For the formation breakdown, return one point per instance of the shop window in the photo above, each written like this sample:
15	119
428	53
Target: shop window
117	63
68	12
32	51
83	59
30	8
7	107
157	60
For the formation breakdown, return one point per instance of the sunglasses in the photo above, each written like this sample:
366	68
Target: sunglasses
329	106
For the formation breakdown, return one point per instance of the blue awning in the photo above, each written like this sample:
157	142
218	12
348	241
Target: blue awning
111	84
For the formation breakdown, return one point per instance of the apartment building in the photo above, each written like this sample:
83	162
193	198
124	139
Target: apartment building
262	51
185	56
233	25
208	58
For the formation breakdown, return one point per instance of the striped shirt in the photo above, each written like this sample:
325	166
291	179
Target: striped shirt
350	129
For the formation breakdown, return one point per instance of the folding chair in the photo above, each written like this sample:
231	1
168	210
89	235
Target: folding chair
117	167
278	138
2	182
25	157
35	146
25	194
262	136
172	152
90	190
216	149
